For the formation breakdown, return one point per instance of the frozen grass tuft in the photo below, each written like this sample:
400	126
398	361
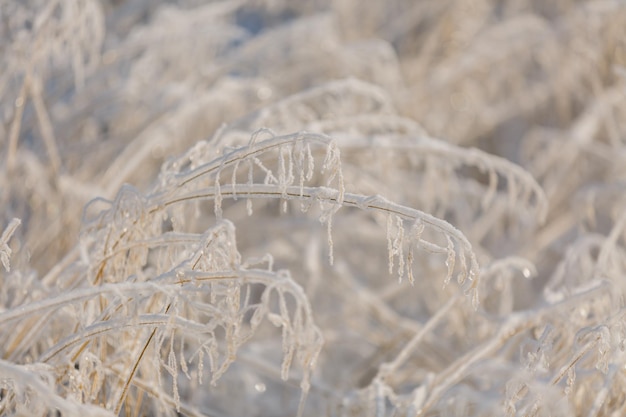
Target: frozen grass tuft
312	208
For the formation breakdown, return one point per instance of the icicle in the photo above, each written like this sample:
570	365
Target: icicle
300	168
311	163
389	244
5	250
282	179
218	197
398	247
233	181
250	172
290	158
183	361
200	365
282	174
329	233
173	369
571	378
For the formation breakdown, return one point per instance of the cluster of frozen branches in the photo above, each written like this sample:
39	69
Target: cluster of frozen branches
309	208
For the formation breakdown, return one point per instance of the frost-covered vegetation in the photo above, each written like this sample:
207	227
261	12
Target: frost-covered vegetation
315	208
